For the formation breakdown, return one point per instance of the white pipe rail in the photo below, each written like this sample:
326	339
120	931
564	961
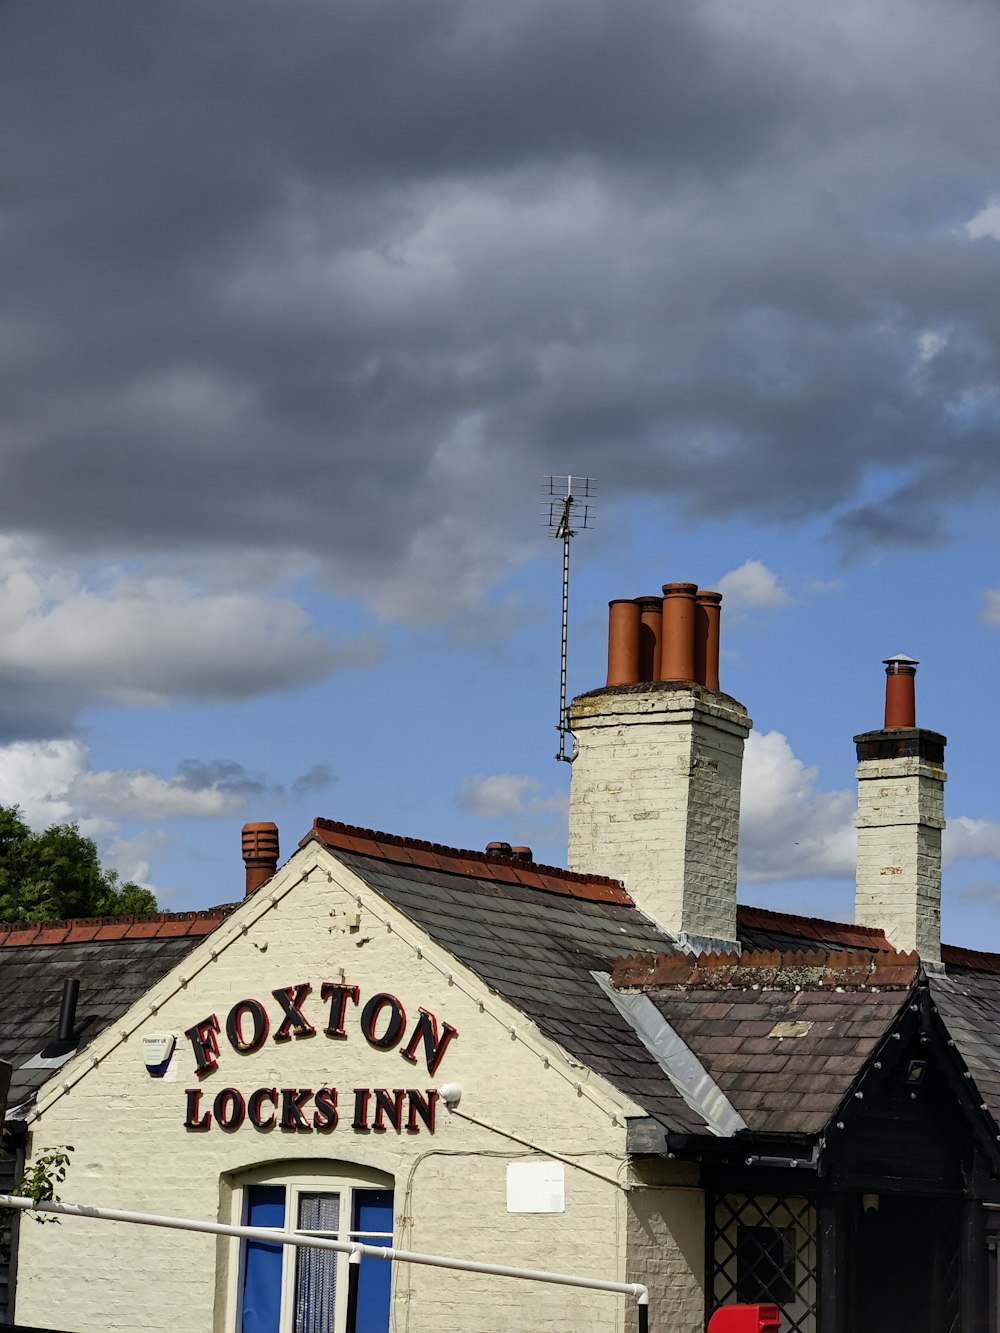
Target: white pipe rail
356	1250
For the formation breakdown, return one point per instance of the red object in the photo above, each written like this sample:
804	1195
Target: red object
707	610
623	642
260	853
745	1319
900	702
677	644
650	634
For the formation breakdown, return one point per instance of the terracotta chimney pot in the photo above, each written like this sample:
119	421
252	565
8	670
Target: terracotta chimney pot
677	644
623	642
260	853
650	635
708	611
900	693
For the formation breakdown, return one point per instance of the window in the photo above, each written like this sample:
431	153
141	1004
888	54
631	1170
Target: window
765	1265
762	1251
285	1290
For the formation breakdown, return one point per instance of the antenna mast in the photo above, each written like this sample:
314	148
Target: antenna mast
570	512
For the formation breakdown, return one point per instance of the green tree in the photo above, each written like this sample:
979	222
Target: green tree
54	875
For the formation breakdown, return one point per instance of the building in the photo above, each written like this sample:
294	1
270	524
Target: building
611	1070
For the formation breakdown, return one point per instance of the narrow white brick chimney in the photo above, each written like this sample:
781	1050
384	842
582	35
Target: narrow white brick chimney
655	788
900	817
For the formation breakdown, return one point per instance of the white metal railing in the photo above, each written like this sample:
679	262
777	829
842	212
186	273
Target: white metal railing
355	1249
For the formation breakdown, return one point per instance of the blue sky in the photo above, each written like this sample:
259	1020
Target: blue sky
299	315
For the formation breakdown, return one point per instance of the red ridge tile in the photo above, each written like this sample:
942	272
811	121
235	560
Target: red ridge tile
81	934
173	929
954	956
118	931
763	918
25	934
771	969
51	934
461	861
84	929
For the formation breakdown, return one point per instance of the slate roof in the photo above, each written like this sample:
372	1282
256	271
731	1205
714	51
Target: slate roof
968	1002
784	1035
115	959
783	1030
533	933
760	928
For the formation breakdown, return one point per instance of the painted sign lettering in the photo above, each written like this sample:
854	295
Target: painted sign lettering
303	1111
382	1022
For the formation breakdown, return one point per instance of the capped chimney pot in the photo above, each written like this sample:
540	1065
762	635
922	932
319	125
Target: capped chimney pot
900	692
677	646
498	849
900	820
260	853
623	642
521	853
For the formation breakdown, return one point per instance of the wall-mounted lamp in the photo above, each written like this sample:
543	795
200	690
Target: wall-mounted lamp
915	1073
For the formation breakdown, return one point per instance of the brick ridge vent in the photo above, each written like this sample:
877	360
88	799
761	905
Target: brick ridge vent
973	960
764	918
462	861
770	969
83	929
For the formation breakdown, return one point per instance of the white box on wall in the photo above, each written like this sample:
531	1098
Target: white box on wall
536	1187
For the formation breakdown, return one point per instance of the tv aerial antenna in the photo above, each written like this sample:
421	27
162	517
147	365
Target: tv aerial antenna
570	511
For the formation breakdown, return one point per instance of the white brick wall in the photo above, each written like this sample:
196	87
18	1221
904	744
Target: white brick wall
899	821
655	801
666	1246
131	1149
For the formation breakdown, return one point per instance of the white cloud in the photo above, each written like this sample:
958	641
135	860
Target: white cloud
52	782
37	776
139	794
498	795
753	585
991	606
966	838
68	640
788	829
986	222
132	858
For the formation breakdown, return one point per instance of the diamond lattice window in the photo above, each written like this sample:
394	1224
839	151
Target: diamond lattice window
764	1251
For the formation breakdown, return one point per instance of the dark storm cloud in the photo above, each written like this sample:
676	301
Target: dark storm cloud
220	774
320	777
344	280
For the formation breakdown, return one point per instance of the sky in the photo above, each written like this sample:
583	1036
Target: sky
301	304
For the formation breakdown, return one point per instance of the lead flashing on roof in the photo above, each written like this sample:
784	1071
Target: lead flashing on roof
680	1064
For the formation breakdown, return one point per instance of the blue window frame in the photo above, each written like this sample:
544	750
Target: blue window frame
315	1291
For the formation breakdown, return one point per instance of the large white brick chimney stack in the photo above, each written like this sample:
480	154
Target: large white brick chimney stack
655	787
900	816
